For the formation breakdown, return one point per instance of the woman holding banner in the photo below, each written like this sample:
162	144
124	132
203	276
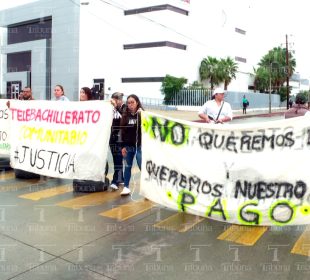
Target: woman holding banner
90	185
85	94
60	94
131	137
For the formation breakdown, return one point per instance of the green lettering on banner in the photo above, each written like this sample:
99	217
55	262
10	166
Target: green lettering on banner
305	210
169	194
218	207
275	217
166	131
185	198
249	216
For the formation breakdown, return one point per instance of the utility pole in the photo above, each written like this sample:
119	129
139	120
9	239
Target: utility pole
287	74
270	67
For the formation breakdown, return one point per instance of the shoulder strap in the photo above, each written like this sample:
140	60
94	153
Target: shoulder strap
220	111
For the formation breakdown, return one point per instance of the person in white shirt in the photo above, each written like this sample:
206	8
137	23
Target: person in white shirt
60	94
216	110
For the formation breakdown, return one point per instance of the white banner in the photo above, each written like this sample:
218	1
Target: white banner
5	145
250	174
61	139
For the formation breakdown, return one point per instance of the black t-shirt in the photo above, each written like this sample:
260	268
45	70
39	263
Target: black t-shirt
131	130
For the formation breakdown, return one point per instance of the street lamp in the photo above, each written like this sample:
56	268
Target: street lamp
287	73
270	70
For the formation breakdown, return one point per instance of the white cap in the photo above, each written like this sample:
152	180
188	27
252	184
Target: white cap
218	90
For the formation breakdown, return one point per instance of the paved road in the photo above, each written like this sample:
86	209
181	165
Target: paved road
49	232
192	115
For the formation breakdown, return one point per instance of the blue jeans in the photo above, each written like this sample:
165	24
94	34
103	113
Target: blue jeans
131	153
117	162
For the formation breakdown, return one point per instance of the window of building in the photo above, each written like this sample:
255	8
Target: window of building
238	30
36	29
19	62
240	59
155	9
155	45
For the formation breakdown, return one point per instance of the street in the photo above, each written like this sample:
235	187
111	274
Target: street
47	231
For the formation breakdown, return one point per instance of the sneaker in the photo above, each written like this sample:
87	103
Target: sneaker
121	183
125	191
114	187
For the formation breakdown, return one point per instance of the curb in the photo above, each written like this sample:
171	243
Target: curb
259	115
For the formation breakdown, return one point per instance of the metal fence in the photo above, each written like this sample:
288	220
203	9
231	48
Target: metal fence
150	103
191	97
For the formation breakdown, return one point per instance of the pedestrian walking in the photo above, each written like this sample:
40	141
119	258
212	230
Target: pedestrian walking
131	137
115	140
299	108
245	104
216	110
290	102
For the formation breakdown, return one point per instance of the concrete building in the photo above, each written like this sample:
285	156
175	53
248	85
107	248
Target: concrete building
124	45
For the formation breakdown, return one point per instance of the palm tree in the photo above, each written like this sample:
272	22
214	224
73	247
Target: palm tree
275	62
208	70
228	69
261	79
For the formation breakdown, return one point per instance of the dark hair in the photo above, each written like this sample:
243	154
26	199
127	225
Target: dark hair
87	91
117	95
62	89
136	98
126	113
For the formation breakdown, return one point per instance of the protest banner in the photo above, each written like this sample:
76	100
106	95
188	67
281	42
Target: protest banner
4	128
61	139
249	174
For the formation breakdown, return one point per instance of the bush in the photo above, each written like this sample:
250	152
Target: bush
170	86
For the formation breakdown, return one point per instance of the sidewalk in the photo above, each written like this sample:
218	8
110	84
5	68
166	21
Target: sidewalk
193	115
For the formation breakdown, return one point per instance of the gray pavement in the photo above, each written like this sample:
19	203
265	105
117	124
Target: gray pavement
193	115
64	236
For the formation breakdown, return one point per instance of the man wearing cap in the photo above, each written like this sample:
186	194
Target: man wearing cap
115	140
216	110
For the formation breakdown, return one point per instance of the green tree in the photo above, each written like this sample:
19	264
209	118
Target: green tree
275	63
196	85
170	86
261	79
227	70
209	70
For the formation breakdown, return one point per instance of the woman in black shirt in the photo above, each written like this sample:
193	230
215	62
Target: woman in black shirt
131	137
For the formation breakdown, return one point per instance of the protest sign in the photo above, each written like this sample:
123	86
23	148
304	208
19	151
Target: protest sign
61	139
4	128
250	174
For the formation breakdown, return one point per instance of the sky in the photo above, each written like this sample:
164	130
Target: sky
267	20
272	20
